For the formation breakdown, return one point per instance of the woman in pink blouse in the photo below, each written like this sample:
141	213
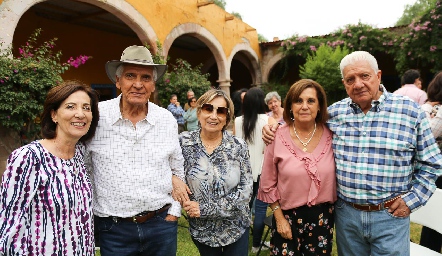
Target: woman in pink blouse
298	176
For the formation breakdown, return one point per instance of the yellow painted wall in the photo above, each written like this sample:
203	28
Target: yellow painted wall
164	15
74	41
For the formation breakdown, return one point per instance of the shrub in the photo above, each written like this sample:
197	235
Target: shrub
323	67
25	81
182	78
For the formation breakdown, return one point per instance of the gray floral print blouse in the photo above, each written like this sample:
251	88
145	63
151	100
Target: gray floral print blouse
221	183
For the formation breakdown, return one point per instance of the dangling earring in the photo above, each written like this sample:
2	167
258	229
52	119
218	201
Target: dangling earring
291	116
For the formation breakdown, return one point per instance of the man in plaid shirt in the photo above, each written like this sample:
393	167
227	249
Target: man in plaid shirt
387	162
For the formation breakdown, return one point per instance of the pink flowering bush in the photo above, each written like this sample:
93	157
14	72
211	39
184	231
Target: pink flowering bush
25	80
420	46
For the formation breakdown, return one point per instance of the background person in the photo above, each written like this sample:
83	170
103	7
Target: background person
248	127
134	156
46	196
190	116
433	109
219	176
177	112
273	101
411	86
190	94
298	176
237	99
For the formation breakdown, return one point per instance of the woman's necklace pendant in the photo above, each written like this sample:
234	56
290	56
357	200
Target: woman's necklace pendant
304	149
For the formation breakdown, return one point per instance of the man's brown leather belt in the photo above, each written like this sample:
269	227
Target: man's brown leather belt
144	216
374	207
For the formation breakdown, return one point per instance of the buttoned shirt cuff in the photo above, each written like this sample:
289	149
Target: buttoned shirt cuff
411	201
175	209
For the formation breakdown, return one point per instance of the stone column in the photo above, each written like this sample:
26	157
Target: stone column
224	85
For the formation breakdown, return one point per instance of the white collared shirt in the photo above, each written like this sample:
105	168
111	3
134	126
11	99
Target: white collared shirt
131	166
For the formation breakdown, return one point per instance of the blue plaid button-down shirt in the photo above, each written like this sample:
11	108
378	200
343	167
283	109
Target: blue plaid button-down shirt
388	151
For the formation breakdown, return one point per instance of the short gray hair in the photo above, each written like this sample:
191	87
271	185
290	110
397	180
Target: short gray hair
356	56
270	96
120	69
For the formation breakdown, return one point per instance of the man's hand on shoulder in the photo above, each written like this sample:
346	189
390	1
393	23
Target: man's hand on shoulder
268	133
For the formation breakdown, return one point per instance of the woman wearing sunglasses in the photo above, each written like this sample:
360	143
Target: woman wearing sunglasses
219	176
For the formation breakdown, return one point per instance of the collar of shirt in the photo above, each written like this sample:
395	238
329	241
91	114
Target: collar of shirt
115	111
376	104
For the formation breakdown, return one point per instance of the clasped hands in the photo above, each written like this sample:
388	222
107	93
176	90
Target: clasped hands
181	193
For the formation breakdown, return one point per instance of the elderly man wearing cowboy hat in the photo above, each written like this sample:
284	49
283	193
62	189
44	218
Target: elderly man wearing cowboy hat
132	158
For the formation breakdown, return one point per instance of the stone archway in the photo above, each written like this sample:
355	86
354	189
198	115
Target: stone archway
12	11
212	43
269	65
252	56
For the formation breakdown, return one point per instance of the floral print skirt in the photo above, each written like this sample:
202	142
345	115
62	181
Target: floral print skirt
312	231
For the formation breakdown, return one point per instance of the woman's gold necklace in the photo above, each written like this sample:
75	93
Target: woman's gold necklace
302	142
212	146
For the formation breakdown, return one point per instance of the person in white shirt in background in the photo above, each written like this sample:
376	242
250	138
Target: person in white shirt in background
133	157
249	127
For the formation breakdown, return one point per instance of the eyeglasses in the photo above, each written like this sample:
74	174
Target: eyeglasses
193	101
220	111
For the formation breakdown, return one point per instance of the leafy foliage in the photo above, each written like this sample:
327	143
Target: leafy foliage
359	37
420	46
415	11
262	38
323	67
25	81
237	15
220	3
182	78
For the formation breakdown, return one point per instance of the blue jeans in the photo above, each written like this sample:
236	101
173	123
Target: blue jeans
156	236
370	233
258	222
238	248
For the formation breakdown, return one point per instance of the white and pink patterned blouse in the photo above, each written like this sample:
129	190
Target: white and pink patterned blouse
45	204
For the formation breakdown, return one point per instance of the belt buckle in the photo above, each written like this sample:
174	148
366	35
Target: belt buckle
134	219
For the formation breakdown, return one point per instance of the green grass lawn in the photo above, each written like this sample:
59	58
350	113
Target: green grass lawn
187	248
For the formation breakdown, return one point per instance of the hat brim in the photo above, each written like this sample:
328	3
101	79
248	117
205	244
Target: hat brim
111	68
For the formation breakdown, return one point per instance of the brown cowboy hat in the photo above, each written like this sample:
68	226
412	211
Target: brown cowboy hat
138	55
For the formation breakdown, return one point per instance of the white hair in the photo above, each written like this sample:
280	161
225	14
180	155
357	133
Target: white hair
356	56
120	69
270	96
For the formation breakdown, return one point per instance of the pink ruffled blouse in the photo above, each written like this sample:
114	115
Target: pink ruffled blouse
294	177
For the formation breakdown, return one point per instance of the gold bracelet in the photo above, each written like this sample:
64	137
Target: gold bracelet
274	209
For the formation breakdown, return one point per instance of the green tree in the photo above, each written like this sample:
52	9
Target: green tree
220	3
182	78
237	15
419	46
323	67
415	11
262	38
25	81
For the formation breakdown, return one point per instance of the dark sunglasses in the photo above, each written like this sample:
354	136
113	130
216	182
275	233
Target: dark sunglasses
208	108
